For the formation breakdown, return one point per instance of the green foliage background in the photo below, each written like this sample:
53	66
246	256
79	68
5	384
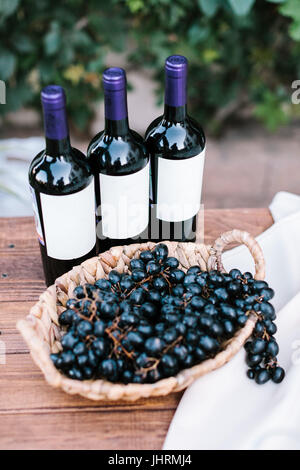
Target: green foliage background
240	51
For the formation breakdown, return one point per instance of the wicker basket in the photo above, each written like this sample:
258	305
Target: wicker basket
42	333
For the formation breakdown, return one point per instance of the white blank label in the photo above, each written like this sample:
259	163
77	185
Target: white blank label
69	223
179	186
125	204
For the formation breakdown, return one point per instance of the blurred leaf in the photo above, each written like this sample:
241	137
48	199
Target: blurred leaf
291	8
198	33
8	7
95	65
209	55
81	117
135	5
271	111
23	43
45	70
74	73
241	7
294	30
52	40
66	54
81	39
7	64
18	96
209	7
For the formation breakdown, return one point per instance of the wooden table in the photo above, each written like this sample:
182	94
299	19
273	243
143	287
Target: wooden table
35	416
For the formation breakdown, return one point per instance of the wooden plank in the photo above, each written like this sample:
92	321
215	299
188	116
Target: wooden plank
117	430
19	231
21	272
217	221
31	393
10	313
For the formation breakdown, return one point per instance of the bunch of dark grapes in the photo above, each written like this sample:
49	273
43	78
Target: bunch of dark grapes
155	320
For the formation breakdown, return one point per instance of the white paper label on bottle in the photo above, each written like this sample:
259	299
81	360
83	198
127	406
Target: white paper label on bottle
179	186
69	223
124	204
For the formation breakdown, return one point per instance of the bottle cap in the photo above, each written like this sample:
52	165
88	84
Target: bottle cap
53	97
176	66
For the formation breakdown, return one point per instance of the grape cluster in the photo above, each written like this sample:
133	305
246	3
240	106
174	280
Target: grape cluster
155	320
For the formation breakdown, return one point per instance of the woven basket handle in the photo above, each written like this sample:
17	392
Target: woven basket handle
237	236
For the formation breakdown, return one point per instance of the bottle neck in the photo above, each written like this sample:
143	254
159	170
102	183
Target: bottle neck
116	115
56	131
175	113
116	128
57	147
175	97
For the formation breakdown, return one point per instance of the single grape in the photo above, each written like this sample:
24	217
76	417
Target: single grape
108	370
222	294
100	347
258	346
160	252
262	376
148	310
80	348
79	292
137	296
114	277
171	263
277	374
181	352
135	338
154	296
68	341
136	264
154	346
146	256
205	321
176	276
194	270
234	288
209	343
235	273
272	348
66	317
103	284
253	359
138	275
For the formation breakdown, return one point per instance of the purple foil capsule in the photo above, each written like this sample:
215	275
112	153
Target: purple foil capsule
114	84
176	80
54	108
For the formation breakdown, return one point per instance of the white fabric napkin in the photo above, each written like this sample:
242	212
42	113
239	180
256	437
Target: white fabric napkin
226	410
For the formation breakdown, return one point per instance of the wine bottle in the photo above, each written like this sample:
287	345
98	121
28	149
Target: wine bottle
176	144
62	188
120	164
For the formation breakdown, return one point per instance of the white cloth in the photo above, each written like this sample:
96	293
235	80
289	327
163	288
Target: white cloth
15	158
226	410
